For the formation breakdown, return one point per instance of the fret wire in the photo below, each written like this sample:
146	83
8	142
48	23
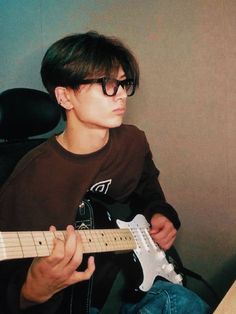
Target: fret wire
49	236
46	243
118	239
27	244
34	242
40	246
60	235
20	243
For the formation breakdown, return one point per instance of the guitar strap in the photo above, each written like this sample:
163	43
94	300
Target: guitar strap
80	297
96	289
80	293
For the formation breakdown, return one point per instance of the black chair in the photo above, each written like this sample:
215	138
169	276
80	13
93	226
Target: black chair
24	113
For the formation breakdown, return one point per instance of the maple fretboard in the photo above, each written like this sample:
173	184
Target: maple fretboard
25	244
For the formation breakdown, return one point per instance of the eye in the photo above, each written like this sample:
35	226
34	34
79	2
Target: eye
110	85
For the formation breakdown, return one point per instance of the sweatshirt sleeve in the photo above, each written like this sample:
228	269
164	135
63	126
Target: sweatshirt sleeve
149	193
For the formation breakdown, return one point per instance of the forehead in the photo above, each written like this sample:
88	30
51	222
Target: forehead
117	74
116	71
120	74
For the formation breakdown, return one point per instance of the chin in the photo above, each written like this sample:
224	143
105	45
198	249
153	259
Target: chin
113	123
116	124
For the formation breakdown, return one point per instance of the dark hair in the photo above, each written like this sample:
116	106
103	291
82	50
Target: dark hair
89	55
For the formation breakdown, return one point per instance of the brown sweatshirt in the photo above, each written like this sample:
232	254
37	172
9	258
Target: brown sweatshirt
49	183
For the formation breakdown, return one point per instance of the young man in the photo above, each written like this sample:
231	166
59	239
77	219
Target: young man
90	76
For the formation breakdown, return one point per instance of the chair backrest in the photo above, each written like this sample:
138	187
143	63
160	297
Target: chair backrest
24	113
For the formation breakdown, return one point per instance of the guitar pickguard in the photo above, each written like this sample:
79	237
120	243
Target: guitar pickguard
152	259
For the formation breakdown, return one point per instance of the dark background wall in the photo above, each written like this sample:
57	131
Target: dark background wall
185	104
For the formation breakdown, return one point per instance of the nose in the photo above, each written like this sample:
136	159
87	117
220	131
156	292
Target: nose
121	92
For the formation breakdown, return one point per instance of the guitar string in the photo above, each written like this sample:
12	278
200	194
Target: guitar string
12	240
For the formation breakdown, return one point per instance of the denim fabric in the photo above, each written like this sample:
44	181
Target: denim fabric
166	298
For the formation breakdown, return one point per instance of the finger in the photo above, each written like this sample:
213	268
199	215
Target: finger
90	267
77	256
153	231
166	242
67	255
164	235
158	222
52	228
167	245
71	240
86	274
162	224
58	252
161	230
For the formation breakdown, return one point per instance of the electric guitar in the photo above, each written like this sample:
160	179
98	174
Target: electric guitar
130	236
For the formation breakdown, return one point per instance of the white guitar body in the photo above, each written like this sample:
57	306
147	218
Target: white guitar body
152	259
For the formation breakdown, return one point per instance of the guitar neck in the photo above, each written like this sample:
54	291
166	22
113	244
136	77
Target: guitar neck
25	244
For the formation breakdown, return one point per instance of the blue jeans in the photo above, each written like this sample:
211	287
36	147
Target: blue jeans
166	298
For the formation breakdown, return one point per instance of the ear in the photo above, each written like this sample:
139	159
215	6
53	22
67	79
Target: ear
63	97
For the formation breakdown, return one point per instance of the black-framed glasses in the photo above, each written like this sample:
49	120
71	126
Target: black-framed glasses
110	85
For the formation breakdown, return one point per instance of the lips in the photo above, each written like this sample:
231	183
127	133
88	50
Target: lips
119	110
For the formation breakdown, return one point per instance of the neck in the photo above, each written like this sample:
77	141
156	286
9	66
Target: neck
82	141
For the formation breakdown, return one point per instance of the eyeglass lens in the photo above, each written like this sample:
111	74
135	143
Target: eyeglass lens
112	85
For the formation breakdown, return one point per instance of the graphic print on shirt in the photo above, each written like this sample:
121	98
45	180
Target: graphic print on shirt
101	187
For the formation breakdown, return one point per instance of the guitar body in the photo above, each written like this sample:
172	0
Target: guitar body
140	266
95	214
